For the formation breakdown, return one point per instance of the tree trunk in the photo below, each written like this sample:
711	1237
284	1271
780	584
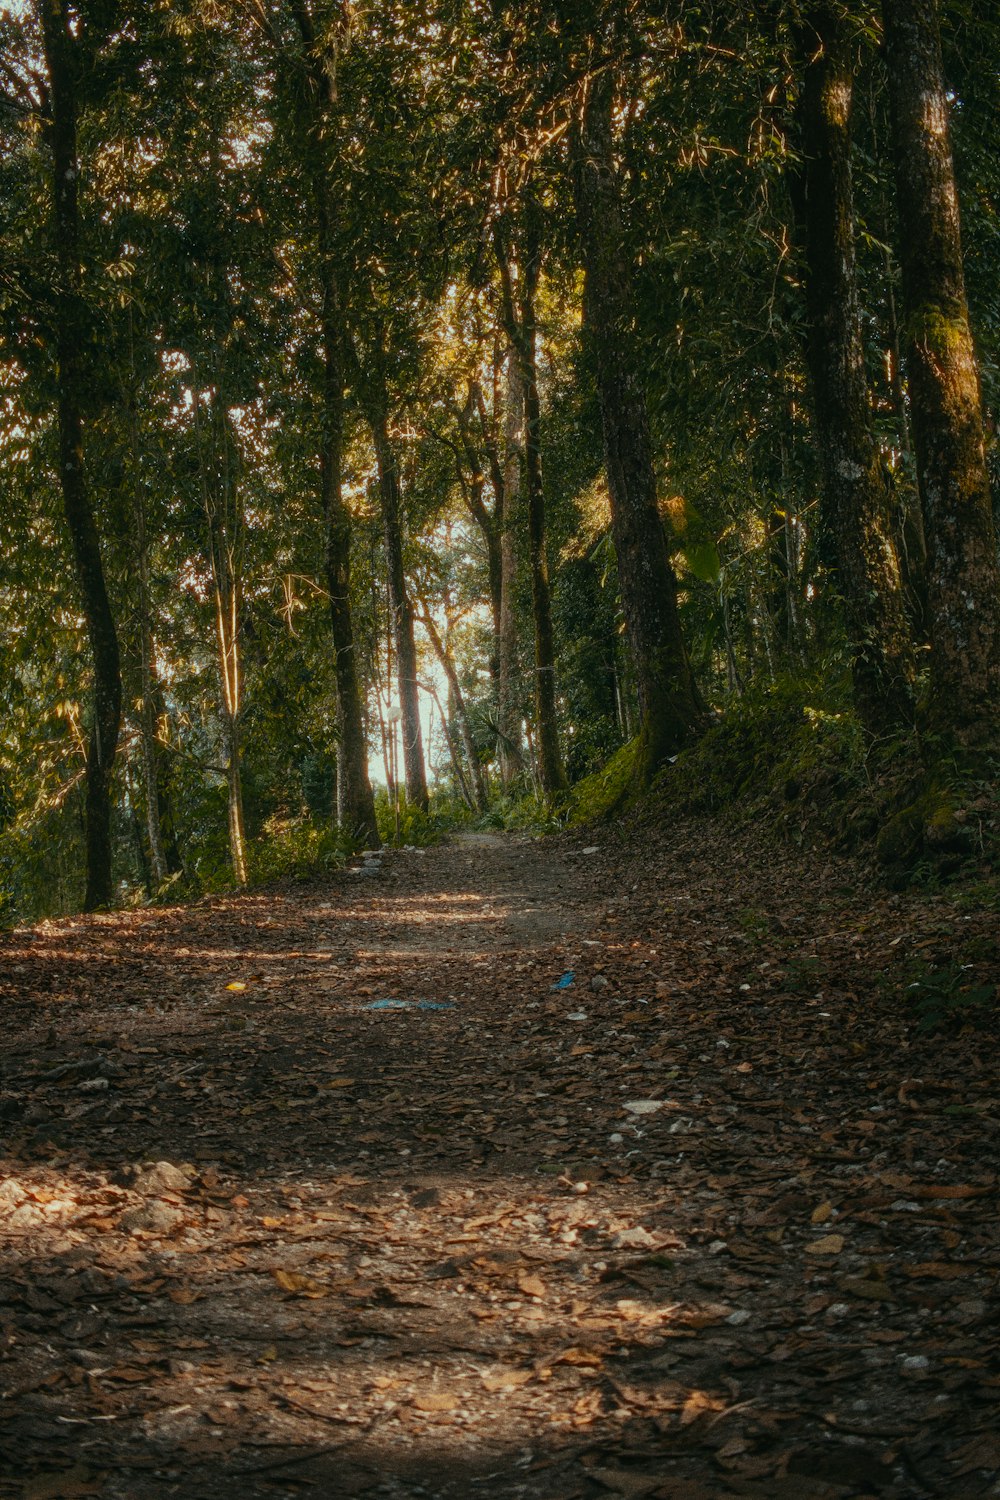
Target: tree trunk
963	585
147	669
355	800
856	506
461	708
519	318
61	63
399	602
670	708
509	715
224	525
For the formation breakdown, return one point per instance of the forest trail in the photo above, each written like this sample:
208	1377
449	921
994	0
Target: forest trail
714	1219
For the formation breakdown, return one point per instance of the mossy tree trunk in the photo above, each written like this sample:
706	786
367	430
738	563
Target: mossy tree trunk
963	583
670	707
856	514
62	62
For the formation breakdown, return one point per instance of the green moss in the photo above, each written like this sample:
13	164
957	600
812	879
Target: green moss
607	791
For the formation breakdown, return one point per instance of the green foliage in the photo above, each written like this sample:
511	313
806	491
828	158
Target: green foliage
526	812
779	747
606	791
945	997
298	849
405	823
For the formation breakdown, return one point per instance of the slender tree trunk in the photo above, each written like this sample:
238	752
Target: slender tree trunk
355	800
508	695
317	123
473	485
399	602
963	576
461	708
147	670
224	525
61	63
670	707
454	750
519	317
856	508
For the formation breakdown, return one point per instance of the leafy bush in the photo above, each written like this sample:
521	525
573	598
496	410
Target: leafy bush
407	824
297	849
948	996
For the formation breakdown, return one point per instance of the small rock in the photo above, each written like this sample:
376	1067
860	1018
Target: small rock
915	1364
592	849
599	982
155	1218
26	1217
643	1106
738	1318
163	1177
88	1358
11	1193
717	1247
615	1138
93	1086
577	1015
634	1239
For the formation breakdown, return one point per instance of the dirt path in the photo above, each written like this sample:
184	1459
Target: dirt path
714	1219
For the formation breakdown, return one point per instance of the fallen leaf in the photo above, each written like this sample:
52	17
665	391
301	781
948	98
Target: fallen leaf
531	1286
507	1380
830	1244
866	1288
821	1214
301	1286
436	1401
696	1405
69	1485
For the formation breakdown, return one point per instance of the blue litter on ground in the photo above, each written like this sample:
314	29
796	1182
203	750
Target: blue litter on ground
566	980
388	1004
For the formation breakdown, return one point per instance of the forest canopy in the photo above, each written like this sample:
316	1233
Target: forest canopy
406	407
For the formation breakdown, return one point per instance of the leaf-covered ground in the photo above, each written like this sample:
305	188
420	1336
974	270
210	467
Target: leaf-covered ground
713	1219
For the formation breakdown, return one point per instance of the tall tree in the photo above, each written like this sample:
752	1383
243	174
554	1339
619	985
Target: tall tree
374	399
670	706
963	577
316	118
856	506
62	36
519	276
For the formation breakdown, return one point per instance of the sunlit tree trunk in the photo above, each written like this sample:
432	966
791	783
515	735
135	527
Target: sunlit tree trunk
457	697
224	523
856	506
399	600
670	707
147	670
963	585
61	60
